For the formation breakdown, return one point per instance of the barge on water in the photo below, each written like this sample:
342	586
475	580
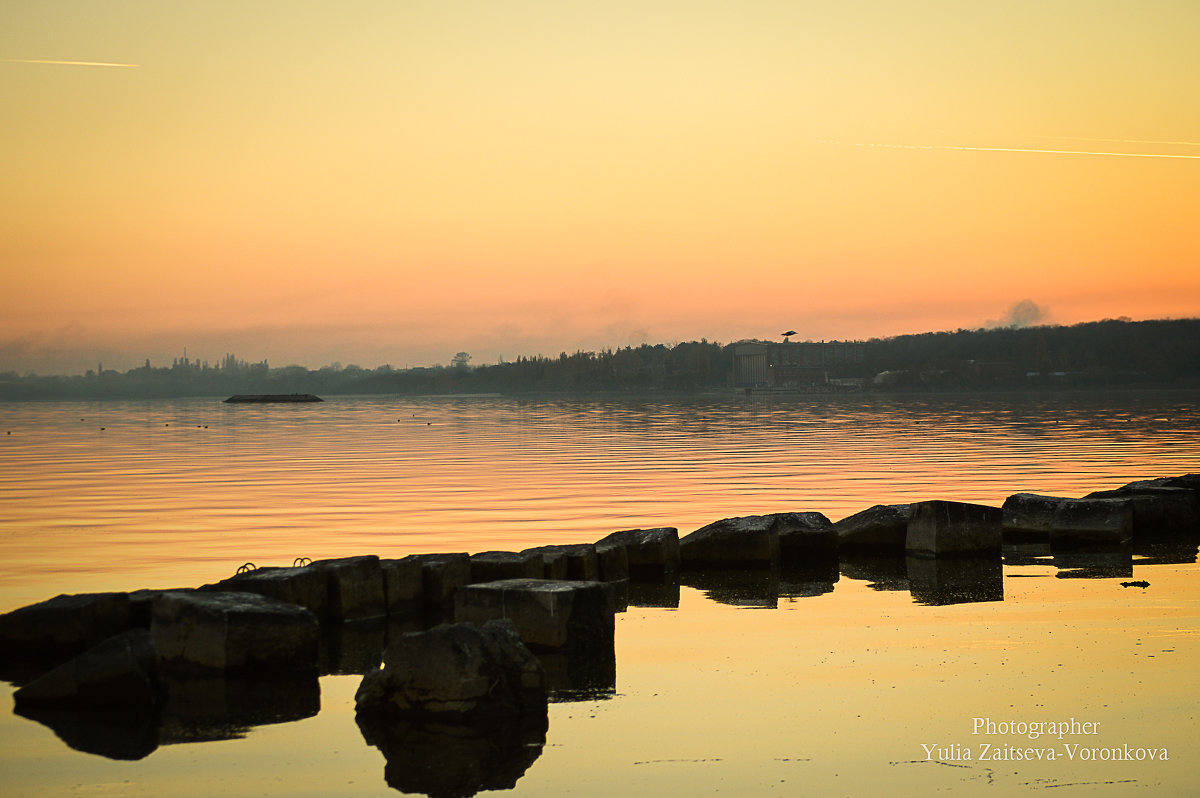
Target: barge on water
263	398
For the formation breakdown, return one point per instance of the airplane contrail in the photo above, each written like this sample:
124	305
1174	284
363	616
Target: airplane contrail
1078	138
66	63
1012	149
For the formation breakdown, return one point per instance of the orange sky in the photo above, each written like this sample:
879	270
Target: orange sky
381	182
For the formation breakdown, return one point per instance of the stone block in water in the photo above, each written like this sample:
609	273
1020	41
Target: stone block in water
35	638
1083	522
1028	514
547	614
805	537
613	560
354	586
1160	512
944	528
227	632
651	553
403	585
882	529
490	566
460	671
303	586
120	671
582	563
441	577
743	542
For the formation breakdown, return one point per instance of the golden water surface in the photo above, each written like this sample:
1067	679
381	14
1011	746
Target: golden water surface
847	687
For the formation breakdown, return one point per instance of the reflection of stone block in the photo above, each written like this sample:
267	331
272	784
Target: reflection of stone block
732	543
958	580
1083	522
354	647
455	759
224	708
653	594
355	587
650	553
547	614
941	528
216	632
1114	563
882	528
131	733
757	587
1029	514
490	566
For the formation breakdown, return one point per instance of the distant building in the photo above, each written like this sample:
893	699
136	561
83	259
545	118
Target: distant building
761	364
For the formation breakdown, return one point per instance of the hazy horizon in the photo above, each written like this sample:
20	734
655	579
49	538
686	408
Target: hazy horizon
373	182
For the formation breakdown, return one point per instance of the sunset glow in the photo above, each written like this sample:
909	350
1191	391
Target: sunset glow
373	182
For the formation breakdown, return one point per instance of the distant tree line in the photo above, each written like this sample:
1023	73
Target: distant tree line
1098	354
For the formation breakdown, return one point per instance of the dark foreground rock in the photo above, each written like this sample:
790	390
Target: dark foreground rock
121	671
651	554
205	633
942	528
547	614
35	638
458	672
882	529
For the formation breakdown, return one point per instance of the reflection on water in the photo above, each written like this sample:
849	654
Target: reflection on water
855	663
445	760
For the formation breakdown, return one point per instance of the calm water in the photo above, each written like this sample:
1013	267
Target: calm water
830	692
